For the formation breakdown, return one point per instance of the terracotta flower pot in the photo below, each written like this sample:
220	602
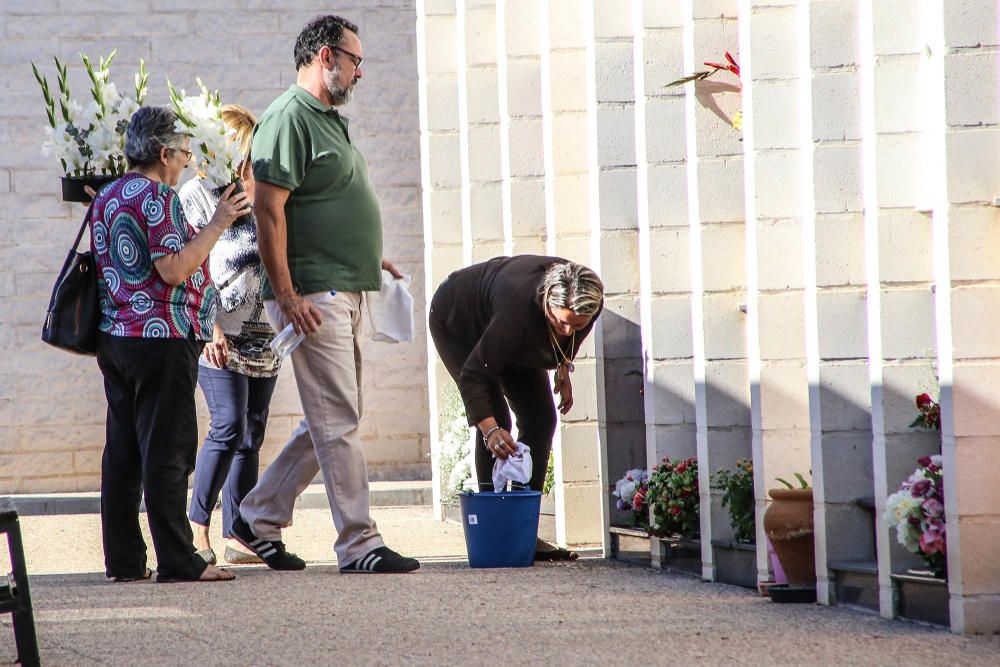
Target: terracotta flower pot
788	523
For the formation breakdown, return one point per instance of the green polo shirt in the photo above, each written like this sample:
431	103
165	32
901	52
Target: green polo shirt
334	221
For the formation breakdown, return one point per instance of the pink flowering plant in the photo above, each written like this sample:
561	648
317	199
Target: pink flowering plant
673	497
917	512
630	492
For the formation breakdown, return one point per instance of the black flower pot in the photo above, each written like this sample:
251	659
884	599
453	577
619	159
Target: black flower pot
244	219
73	186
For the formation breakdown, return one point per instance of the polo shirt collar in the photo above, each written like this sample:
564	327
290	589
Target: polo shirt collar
313	102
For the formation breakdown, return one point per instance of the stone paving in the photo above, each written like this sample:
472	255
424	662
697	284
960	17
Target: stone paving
591	612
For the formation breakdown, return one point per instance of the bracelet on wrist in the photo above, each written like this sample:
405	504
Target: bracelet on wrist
488	433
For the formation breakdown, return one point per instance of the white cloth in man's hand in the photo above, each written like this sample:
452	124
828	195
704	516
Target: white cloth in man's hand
515	468
391	310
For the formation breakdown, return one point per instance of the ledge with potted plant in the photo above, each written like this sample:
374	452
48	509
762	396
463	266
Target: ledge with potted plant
675	504
917	513
736	558
788	524
630	535
89	141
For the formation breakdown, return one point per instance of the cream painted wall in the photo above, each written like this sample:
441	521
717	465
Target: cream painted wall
51	403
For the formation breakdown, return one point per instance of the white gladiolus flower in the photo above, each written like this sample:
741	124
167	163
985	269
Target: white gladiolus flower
88	117
96	145
104	143
126	108
211	141
111	96
74	110
57	139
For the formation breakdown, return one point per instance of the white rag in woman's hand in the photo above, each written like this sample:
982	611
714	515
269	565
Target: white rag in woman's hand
515	468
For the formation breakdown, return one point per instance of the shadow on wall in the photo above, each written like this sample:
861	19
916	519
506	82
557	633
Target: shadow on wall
625	415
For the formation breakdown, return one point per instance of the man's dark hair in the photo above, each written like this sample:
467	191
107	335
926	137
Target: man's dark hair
321	31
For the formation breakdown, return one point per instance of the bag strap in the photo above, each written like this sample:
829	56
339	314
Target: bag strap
86	221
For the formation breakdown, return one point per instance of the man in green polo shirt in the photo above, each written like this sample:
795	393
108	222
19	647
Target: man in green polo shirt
319	228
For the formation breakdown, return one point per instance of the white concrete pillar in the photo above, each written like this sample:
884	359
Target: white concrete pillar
522	144
480	117
898	257
617	242
718	272
569	98
776	254
967	302
836	310
441	182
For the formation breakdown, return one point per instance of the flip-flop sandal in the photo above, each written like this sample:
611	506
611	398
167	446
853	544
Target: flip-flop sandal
148	574
557	554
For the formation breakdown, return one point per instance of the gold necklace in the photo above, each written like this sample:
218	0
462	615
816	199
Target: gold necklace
557	350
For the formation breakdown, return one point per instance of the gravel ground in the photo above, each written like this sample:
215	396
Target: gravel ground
590	612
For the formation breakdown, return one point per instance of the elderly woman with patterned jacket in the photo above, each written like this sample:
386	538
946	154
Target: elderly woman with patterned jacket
158	306
499	327
237	371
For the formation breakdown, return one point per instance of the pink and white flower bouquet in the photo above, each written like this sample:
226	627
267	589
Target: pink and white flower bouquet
631	492
917	512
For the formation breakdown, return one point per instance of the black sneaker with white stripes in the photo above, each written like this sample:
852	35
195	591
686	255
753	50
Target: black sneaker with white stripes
271	552
382	561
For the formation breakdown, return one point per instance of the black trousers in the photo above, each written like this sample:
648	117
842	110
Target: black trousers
152	438
525	391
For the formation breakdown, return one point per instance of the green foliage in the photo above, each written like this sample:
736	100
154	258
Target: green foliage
550	477
803	484
141	83
50	104
737	488
456	452
673	497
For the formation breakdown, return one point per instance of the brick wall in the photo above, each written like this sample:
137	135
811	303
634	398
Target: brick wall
51	403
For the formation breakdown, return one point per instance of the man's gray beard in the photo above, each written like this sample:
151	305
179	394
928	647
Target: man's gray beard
338	95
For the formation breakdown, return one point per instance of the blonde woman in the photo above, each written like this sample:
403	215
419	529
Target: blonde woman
237	371
499	327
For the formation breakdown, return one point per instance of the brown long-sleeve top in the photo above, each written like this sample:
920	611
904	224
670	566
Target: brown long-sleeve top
494	309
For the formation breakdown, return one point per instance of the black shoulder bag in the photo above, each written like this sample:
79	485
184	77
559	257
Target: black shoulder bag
74	309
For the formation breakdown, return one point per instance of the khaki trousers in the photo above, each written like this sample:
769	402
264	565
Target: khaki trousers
328	374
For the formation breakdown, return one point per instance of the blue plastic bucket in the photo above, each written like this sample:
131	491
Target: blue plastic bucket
500	528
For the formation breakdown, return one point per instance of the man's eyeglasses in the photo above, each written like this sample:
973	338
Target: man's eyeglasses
357	60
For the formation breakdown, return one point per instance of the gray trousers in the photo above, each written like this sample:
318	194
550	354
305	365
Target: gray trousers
328	375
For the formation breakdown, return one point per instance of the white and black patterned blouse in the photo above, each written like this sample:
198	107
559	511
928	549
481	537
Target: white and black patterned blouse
237	271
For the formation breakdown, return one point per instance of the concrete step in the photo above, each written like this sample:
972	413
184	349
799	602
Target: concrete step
383	494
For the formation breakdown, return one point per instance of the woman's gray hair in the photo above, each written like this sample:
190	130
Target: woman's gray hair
573	286
150	129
